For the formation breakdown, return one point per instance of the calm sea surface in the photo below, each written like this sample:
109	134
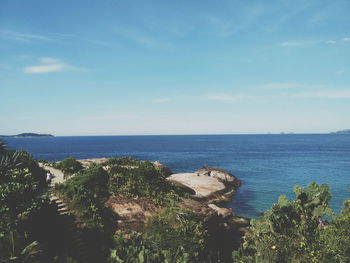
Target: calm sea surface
268	165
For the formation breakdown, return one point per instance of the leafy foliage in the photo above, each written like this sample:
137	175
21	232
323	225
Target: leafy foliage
18	249
124	161
86	192
132	247
177	229
69	166
173	235
295	231
22	186
133	178
334	241
22	196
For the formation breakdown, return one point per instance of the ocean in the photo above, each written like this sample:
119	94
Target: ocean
267	165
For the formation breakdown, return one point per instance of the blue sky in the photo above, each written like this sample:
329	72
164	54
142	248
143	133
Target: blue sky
174	67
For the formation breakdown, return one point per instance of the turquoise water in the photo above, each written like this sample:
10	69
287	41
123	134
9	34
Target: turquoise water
268	165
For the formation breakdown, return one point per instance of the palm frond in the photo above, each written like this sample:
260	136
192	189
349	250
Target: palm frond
31	250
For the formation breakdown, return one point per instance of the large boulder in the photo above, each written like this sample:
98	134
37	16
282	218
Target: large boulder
209	184
220	174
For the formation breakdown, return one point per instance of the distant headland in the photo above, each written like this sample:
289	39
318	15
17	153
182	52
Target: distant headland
28	135
342	132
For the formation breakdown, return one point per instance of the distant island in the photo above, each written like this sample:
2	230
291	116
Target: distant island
28	135
342	132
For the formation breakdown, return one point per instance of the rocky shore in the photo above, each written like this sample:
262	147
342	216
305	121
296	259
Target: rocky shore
207	187
209	184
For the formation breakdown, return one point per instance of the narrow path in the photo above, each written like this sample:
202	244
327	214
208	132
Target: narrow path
78	246
58	176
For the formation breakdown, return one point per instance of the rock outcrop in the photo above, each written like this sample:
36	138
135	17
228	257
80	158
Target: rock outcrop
206	187
209	184
221	175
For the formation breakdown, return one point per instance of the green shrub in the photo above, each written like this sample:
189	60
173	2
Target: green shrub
86	193
22	188
132	247
179	231
22	197
124	161
173	235
142	180
334	242
69	166
295	232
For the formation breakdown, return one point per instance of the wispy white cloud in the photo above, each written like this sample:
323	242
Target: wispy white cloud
74	37
112	117
226	97
222	27
310	42
48	60
283	13
236	22
295	43
23	37
142	38
44	68
283	91
282	85
326	94
286	85
340	72
160	100
51	65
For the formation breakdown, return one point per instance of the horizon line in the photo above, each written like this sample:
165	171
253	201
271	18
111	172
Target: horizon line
182	134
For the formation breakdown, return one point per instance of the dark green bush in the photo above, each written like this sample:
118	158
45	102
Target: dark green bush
132	247
22	188
179	231
86	193
22	197
334	241
124	161
295	231
173	235
143	180
69	166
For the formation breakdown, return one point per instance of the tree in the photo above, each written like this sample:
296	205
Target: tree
22	188
289	231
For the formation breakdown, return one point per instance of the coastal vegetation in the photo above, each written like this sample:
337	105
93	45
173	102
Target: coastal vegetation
173	235
297	231
24	208
135	179
300	230
69	166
